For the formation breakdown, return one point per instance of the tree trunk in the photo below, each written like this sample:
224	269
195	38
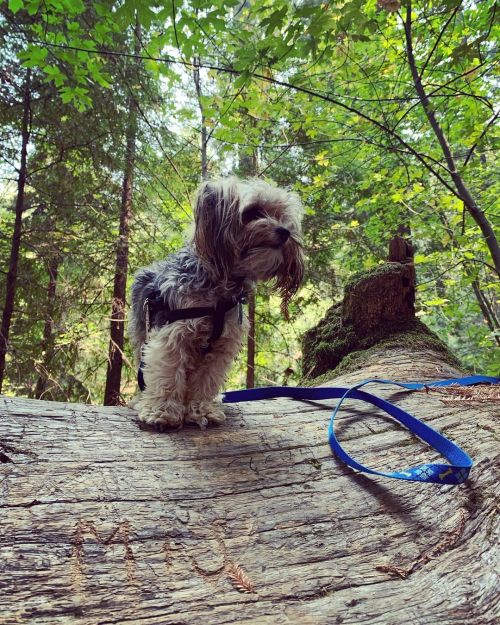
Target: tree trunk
117	329
203	131
104	521
248	167
48	330
10	290
488	313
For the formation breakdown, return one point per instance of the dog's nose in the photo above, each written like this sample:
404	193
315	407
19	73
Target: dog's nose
282	233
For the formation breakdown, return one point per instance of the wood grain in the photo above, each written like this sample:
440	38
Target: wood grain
253	522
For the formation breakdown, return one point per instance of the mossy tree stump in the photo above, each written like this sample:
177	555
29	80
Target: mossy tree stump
378	309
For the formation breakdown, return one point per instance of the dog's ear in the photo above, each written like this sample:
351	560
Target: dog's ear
216	215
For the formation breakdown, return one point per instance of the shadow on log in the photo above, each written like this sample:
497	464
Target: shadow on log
253	522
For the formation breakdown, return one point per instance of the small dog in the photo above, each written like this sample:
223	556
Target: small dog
245	232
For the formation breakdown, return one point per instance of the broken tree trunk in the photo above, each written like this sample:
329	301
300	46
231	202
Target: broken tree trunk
252	522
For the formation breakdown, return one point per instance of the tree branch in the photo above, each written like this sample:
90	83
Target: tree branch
485	130
438	39
273	81
429	95
461	189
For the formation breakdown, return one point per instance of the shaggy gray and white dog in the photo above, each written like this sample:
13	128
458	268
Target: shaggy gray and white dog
245	232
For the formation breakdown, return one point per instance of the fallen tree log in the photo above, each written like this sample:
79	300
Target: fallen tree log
252	522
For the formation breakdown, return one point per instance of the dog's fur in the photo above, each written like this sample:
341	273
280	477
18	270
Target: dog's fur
245	231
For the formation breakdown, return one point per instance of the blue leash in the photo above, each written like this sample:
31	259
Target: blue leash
454	473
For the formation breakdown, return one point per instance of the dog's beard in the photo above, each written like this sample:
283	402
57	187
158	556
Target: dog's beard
260	263
284	264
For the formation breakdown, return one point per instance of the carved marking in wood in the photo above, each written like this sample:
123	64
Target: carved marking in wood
211	564
86	528
219	551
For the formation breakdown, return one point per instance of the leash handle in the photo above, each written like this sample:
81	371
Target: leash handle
454	473
460	462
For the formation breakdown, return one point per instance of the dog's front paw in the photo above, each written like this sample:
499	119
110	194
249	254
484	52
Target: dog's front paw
204	412
163	415
134	402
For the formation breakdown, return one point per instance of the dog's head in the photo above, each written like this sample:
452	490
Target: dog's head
250	229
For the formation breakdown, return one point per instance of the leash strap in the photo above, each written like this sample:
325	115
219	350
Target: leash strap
460	463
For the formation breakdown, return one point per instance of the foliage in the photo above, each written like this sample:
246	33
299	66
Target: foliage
322	92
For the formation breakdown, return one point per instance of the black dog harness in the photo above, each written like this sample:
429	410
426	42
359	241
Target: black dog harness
158	313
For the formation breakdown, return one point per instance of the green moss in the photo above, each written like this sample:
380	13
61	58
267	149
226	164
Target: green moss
325	339
418	338
329	342
380	270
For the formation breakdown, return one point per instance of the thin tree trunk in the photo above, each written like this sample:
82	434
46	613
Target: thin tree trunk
249	167
203	132
10	289
48	330
251	342
488	314
469	202
117	329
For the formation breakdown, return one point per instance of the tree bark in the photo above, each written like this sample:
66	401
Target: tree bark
48	330
10	289
476	213
248	166
250	377
105	522
117	328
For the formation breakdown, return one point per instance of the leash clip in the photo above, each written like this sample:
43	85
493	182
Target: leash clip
145	309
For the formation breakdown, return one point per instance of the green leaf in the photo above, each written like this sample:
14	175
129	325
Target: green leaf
67	94
32	7
438	301
34	56
242	80
15	5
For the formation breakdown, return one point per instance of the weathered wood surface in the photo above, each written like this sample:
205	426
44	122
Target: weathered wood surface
103	522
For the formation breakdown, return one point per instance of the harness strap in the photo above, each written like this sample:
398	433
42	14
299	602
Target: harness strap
218	318
218	312
140	375
189	313
454	473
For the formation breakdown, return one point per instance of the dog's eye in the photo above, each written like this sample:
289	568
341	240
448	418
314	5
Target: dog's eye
251	214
